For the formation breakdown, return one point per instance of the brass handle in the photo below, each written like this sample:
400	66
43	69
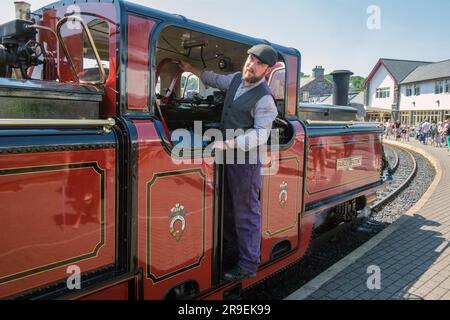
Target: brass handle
344	123
107	124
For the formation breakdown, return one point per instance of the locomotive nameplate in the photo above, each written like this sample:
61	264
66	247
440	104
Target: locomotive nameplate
347	163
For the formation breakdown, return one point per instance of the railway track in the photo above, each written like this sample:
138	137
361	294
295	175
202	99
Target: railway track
402	178
404	168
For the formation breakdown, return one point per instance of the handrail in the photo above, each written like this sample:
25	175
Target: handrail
344	123
91	42
107	124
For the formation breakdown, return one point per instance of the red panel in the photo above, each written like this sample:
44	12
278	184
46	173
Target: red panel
166	260
282	198
324	180
189	249
58	210
292	85
138	60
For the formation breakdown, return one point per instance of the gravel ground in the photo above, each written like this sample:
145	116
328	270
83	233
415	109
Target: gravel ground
324	254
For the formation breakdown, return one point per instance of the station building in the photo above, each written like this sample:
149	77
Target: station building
409	91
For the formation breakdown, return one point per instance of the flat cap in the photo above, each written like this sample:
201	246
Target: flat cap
265	53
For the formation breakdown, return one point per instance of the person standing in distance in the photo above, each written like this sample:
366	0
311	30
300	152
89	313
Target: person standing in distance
248	105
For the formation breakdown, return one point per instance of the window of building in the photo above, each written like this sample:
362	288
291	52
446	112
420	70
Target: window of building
383	93
420	116
447	86
409	91
439	87
305	95
417	90
404	117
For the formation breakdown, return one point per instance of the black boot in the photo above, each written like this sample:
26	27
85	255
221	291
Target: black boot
237	273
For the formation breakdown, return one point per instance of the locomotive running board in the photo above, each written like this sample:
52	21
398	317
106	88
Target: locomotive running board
330	202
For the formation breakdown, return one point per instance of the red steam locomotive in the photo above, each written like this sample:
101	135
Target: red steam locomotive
93	207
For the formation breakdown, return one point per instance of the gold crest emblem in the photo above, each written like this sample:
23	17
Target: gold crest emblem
283	196
177	214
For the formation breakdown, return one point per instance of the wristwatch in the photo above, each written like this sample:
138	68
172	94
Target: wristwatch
227	143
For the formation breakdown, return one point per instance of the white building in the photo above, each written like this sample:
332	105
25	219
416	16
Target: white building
381	88
425	94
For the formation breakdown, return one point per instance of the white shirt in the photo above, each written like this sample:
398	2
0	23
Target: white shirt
264	112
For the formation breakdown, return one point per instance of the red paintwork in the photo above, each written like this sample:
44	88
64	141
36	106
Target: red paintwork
323	180
306	227
168	256
57	218
281	222
137	72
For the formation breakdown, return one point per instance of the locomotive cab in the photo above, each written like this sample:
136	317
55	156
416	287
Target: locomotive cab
182	99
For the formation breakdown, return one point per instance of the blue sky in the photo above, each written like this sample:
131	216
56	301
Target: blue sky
331	33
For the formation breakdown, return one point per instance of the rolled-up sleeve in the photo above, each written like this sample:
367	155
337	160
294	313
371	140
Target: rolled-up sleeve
215	80
264	114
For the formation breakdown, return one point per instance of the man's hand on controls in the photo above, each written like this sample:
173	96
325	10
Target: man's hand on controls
187	67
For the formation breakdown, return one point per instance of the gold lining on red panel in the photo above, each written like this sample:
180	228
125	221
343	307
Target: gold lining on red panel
277	232
62	167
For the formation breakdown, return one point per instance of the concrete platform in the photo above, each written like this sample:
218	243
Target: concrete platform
410	259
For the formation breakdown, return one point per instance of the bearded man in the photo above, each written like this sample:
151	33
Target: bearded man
249	106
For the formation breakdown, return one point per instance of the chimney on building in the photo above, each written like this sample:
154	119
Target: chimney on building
341	79
318	72
23	10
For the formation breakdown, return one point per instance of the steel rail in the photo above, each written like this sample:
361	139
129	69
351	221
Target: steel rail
404	184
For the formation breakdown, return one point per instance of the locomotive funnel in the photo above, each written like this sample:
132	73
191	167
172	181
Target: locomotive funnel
341	79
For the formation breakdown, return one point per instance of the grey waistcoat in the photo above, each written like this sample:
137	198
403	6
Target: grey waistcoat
237	114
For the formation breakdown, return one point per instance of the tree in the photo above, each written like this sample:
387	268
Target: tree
356	83
304	75
329	77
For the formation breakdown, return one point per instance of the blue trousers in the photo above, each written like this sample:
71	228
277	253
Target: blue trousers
242	215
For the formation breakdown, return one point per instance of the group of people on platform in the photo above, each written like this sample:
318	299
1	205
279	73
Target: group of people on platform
436	134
